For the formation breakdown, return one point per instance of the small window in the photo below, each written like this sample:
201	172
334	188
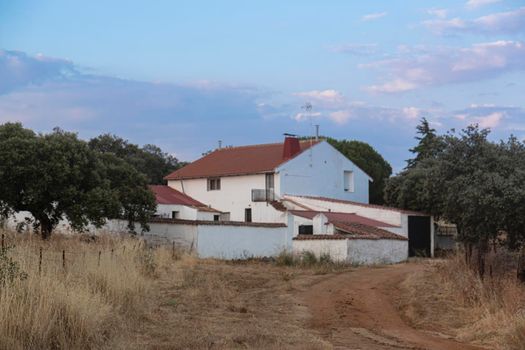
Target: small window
214	184
248	215
306	229
349	181
216	217
174	214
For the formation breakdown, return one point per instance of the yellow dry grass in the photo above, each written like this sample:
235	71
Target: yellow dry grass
79	303
137	298
450	298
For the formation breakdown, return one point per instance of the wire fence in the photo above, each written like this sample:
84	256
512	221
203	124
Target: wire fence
40	253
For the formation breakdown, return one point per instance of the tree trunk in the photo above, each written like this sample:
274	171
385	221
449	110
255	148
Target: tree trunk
521	265
46	227
482	249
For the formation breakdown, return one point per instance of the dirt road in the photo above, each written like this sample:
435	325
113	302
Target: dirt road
356	310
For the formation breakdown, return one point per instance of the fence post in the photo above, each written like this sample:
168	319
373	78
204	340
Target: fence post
99	252
64	259
3	245
40	262
173	249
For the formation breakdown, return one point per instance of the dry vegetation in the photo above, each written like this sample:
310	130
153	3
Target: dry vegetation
449	298
137	298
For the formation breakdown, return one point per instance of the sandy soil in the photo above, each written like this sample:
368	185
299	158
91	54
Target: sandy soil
218	305
356	310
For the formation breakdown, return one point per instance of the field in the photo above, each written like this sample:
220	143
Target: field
117	293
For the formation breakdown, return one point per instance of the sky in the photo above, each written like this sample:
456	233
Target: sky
185	74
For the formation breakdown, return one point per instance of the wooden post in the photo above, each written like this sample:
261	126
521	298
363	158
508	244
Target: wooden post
99	252
173	249
64	259
111	253
40	261
3	245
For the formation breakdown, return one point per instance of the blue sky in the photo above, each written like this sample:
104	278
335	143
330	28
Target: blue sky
184	74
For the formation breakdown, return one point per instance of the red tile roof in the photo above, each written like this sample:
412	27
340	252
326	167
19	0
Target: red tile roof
341	217
360	231
244	160
168	195
333	200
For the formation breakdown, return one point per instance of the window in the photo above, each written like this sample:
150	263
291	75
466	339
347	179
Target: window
174	214
216	217
248	215
349	181
306	229
214	184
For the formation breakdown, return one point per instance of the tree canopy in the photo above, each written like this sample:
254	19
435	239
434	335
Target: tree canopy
149	160
57	176
470	181
370	161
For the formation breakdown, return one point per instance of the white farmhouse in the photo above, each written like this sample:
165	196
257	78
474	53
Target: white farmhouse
248	182
297	195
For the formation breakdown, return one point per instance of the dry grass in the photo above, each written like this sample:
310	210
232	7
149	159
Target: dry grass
450	298
229	305
81	306
137	298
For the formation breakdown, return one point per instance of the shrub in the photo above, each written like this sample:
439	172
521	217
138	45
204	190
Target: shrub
9	269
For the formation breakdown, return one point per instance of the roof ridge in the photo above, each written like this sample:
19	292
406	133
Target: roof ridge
260	145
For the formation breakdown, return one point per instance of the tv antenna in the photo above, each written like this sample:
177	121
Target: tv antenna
307	107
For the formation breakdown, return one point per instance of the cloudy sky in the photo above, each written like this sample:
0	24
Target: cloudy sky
185	74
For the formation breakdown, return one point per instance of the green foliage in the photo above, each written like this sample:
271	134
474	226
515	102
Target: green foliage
308	258
148	160
56	176
370	161
285	258
9	269
469	181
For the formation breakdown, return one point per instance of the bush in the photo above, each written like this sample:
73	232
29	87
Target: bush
9	269
308	258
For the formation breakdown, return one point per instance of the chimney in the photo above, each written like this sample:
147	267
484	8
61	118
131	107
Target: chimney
291	146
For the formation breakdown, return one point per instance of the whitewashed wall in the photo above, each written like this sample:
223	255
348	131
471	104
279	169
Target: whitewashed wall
336	248
382	251
185	212
319	171
238	242
386	215
356	251
234	196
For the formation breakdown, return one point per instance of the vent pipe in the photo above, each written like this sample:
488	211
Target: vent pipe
316	132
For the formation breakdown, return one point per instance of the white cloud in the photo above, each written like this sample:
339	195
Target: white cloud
439	13
412	112
473	4
373	16
510	22
448	65
398	85
322	97
490	121
340	117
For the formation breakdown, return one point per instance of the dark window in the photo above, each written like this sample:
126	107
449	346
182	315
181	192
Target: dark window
174	214
216	217
248	215
306	229
214	184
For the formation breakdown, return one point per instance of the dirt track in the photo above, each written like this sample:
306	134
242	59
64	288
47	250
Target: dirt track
356	310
